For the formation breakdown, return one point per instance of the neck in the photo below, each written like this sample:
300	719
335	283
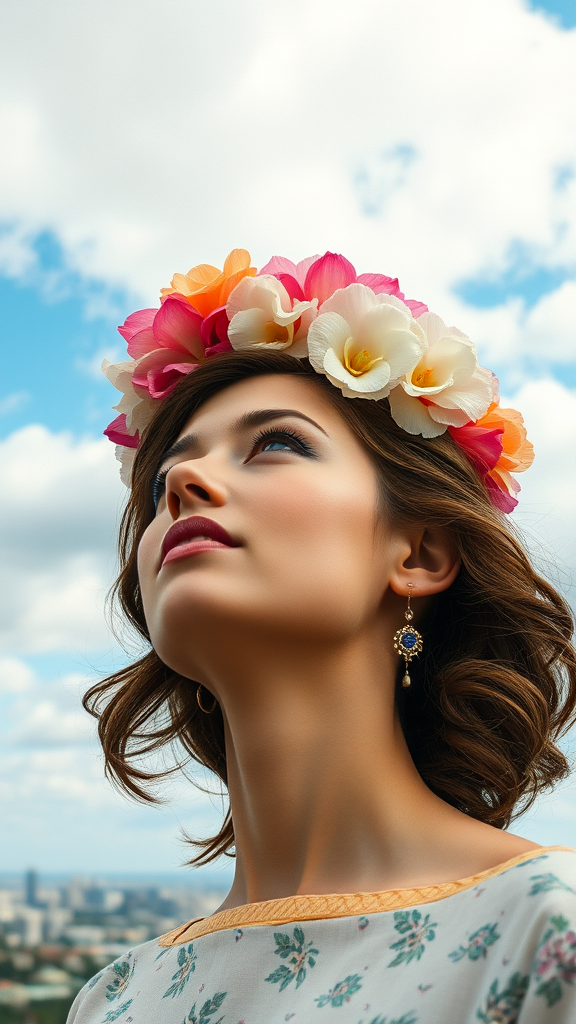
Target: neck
324	794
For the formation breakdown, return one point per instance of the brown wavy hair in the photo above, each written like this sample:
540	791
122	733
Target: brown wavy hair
495	688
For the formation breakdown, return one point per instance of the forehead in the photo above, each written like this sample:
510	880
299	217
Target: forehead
270	392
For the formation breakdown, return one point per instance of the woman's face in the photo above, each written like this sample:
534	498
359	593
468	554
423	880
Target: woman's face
305	555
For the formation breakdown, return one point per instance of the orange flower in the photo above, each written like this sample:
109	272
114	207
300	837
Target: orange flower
516	456
205	287
496	444
517	451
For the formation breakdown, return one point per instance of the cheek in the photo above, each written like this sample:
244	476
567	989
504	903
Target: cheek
309	566
316	544
148	553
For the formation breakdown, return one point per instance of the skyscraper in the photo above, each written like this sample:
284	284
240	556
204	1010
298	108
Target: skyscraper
31	888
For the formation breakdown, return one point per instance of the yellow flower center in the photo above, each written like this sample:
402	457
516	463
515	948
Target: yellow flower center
423	379
358	363
274	333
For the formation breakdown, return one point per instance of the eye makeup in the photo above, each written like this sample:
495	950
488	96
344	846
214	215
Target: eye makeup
288	439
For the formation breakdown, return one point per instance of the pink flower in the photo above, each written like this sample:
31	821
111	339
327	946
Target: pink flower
169	342
118	432
126	445
214	333
557	958
165	345
318	277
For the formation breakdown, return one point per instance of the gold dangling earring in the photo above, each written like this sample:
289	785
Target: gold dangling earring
408	641
207	711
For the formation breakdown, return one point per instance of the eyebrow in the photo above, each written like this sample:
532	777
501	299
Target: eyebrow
247	421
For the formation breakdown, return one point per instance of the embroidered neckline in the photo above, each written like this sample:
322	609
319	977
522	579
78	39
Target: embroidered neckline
332	905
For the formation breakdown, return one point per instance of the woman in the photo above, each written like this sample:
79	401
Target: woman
342	627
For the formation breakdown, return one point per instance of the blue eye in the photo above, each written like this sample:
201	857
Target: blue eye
277	446
273	440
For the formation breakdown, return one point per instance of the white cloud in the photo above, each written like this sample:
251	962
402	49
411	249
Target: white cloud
92	367
15	676
47	725
59	813
57	776
58	515
549	328
191	129
522	340
39	713
51	765
547	507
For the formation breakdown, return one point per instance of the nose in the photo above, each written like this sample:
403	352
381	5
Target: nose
189	486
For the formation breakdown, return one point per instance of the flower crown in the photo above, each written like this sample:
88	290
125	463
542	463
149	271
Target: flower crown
359	331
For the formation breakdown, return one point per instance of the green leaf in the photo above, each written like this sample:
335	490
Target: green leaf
551	990
399	959
282	975
560	923
283	943
402	919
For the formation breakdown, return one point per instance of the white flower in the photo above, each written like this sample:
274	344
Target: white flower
263	316
446	388
135	403
364	342
125	457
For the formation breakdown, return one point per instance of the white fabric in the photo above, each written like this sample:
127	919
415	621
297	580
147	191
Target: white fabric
502	951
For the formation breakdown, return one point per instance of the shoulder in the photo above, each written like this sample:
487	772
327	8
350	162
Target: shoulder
111	989
543	905
538	887
547	869
526	889
527	907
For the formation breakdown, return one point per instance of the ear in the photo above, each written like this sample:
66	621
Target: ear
429	562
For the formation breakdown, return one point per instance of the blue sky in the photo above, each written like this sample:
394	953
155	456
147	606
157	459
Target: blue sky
467	194
56	325
561	11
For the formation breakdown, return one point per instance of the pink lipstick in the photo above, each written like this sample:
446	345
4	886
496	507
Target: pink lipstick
192	536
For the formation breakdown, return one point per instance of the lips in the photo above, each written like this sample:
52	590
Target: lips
192	535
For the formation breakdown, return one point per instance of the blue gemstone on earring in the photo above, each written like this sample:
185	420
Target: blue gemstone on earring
409	640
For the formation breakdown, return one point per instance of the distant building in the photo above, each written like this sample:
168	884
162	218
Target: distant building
28	925
31	888
55	921
102	900
91	912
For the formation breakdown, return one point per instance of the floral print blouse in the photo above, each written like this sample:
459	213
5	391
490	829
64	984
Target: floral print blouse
496	948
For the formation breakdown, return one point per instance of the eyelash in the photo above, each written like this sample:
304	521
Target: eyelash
273	434
158	485
270	434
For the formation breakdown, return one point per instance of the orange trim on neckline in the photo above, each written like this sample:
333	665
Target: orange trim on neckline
310	908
